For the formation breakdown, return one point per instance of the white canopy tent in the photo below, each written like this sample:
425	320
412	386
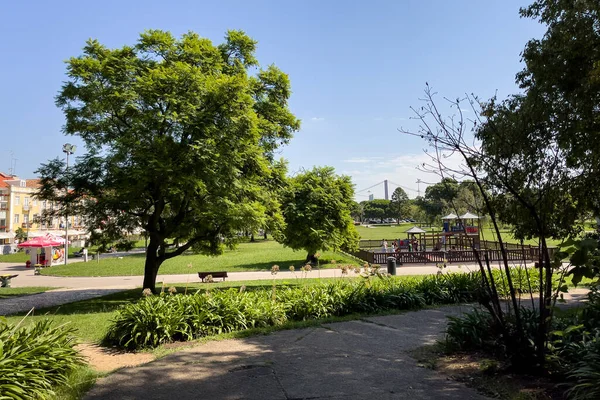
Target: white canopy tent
469	215
415	230
450	216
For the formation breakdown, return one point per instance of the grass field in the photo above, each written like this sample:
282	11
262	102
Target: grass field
7	293
397	232
257	256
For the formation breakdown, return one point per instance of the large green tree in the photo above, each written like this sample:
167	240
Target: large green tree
376	209
317	210
180	137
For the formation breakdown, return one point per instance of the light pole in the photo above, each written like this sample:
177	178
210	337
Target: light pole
68	149
26	209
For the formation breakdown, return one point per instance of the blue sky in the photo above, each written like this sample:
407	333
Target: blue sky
355	66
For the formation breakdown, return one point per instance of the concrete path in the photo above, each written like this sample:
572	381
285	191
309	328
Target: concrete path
27	278
364	359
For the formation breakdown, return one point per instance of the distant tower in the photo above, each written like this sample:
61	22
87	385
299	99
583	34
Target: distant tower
371	197
385	188
419	187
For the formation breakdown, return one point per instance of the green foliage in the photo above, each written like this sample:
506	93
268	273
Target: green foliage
562	70
584	255
376	209
35	359
399	206
20	234
573	350
180	137
316	207
160	319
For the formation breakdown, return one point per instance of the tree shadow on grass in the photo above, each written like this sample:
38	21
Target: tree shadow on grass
107	301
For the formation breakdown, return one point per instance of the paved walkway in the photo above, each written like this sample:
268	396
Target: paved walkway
364	359
27	278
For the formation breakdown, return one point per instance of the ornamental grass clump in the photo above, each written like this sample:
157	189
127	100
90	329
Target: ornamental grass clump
35	359
155	320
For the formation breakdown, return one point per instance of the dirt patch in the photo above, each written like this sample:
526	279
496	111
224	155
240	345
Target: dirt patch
488	376
104	359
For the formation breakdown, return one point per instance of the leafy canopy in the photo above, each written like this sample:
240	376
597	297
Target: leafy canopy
316	208
399	206
180	139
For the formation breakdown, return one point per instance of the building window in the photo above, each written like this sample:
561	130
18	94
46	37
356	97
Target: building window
16	218
34	202
23	184
26	201
26	218
17	200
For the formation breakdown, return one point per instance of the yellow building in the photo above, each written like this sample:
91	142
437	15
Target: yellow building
20	209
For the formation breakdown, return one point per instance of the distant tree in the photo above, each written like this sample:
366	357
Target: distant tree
399	206
357	211
377	209
316	208
469	198
20	234
180	137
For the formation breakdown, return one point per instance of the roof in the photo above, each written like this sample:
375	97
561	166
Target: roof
468	215
450	216
415	229
32	183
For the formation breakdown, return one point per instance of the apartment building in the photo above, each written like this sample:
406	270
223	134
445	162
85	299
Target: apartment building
20	209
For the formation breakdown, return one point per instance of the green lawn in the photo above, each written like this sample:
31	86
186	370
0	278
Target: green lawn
257	256
19	257
7	293
397	232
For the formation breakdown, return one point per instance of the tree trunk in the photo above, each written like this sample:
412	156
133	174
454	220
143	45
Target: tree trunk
252	238
151	267
311	259
265	235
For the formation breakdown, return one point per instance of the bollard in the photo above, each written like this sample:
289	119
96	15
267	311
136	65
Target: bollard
391	265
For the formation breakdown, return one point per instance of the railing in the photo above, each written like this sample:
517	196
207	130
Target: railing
450	257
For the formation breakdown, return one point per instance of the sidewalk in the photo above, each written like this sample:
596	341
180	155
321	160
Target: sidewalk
27	278
354	360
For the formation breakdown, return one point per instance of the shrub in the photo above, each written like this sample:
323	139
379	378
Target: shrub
159	319
35	359
586	374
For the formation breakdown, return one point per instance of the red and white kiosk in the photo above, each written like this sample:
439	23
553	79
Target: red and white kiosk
45	250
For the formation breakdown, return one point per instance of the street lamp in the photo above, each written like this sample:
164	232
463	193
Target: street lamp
68	148
26	209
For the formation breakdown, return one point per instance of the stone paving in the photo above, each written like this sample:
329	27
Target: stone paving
364	359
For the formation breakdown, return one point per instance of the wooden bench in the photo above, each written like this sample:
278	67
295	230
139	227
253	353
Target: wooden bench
219	274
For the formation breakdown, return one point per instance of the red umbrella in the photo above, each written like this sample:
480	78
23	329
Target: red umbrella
43	241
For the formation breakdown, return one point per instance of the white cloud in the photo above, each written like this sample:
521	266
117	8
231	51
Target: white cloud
402	169
317	119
